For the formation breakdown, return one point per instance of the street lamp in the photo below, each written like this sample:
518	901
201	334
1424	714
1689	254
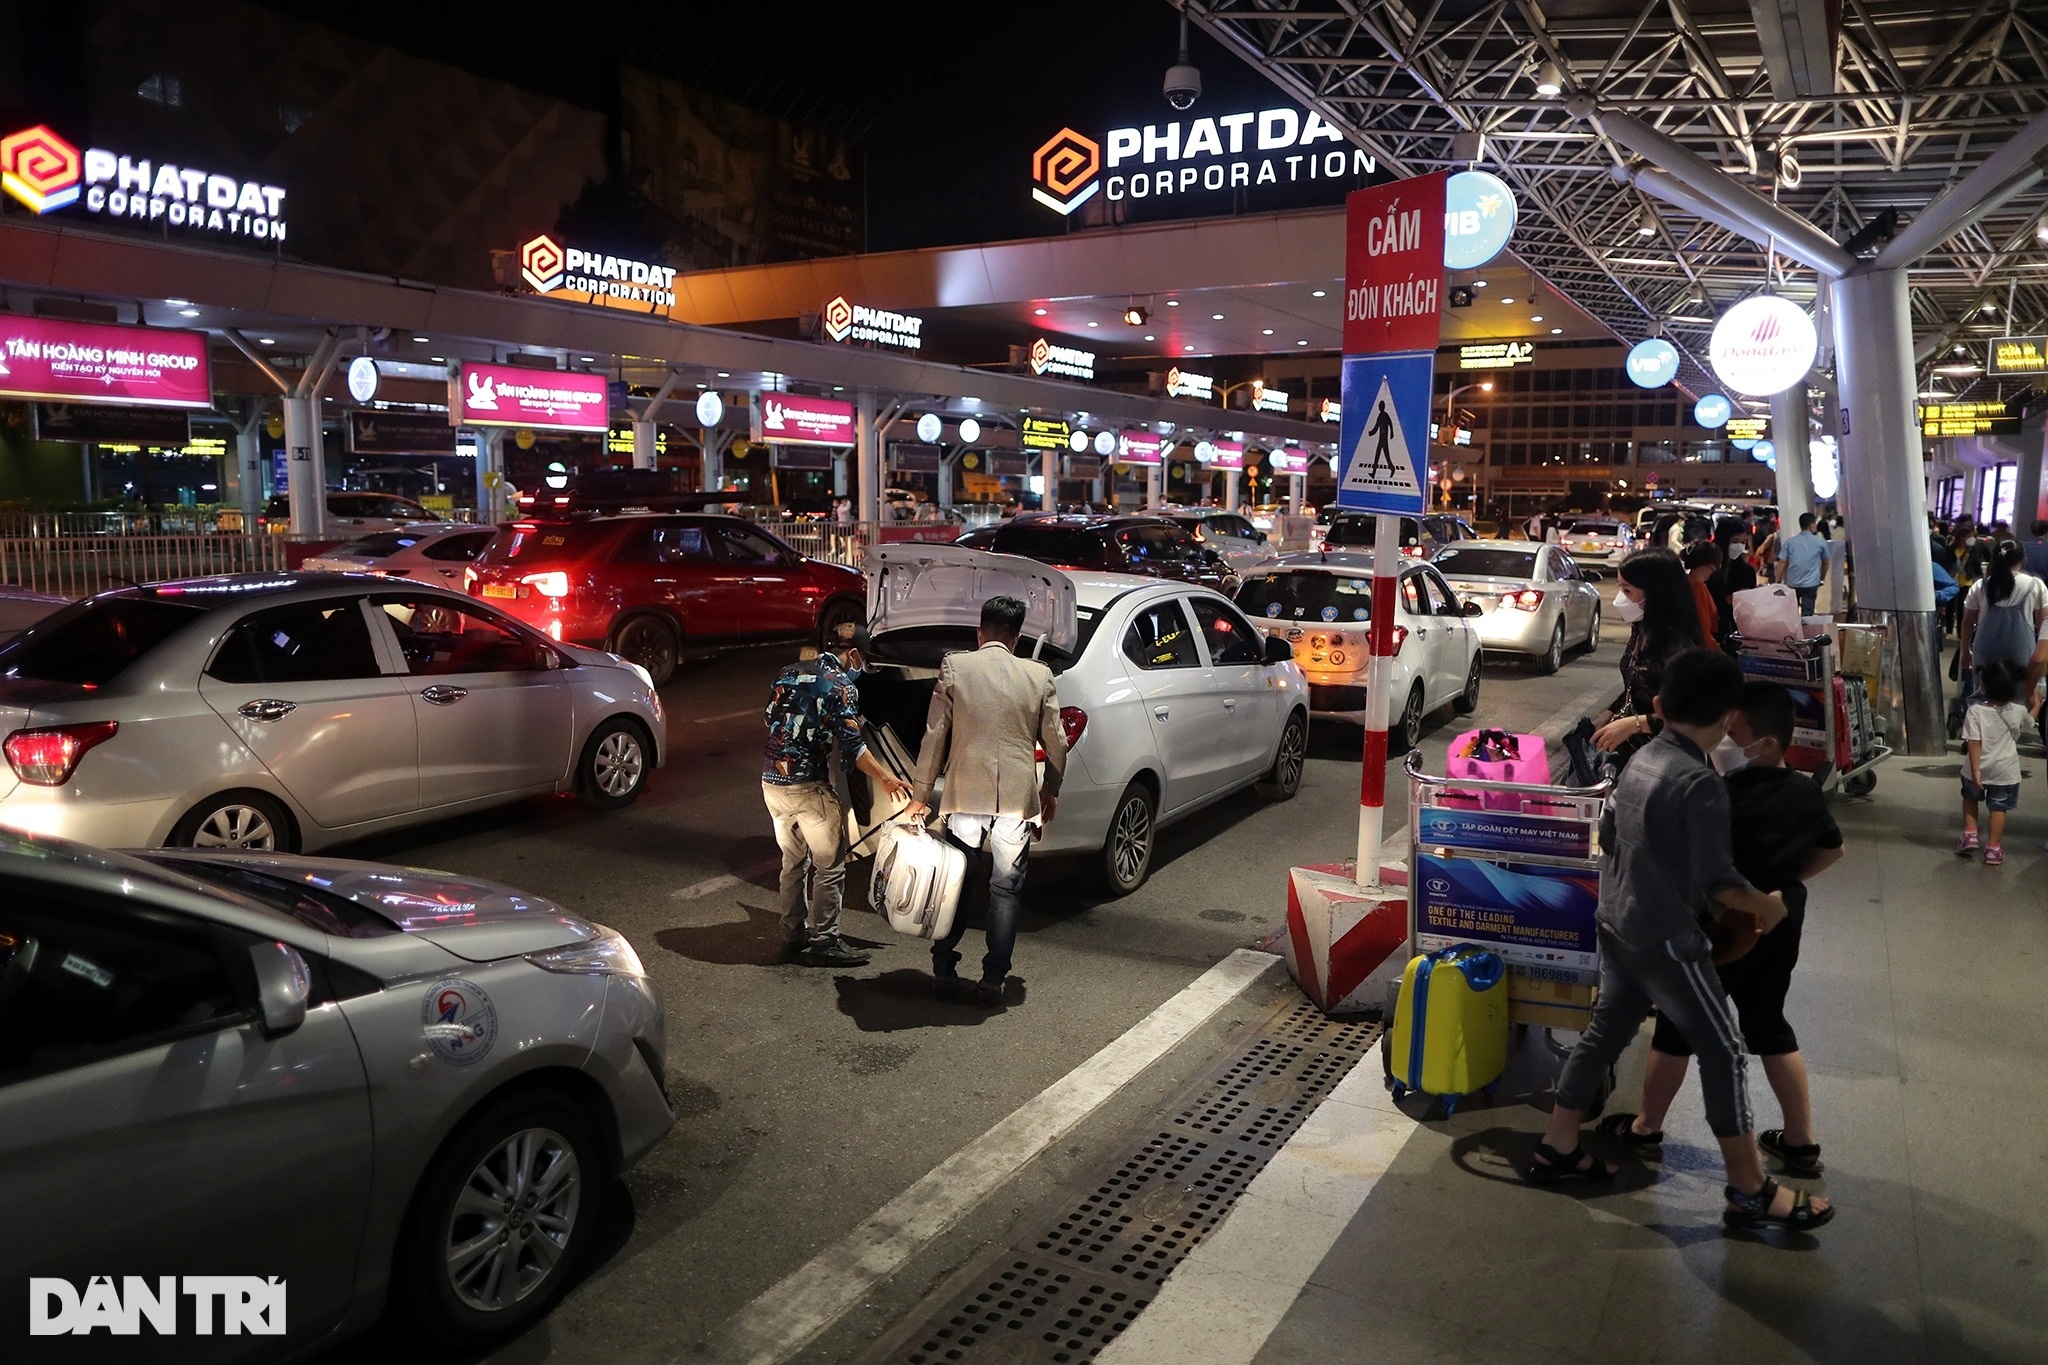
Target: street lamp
1451	399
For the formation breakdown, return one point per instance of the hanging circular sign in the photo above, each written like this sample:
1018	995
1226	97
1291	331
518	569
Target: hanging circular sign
1479	217
970	461
523	438
1763	345
1826	468
1105	443
362	379
1713	411
274	425
1764	452
1204	451
970	431
710	408
1077	441
1652	364
1743	442
929	428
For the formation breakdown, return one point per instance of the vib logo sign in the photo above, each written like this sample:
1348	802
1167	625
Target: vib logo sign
1063	171
540	263
40	169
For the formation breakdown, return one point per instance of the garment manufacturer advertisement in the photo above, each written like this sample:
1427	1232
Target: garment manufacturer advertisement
1537	917
1504	832
513	396
794	419
89	362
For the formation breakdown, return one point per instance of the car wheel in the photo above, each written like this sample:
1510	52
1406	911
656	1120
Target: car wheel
1468	700
615	765
1410	732
239	820
1283	779
1552	658
1593	630
835	617
1127	852
501	1219
649	642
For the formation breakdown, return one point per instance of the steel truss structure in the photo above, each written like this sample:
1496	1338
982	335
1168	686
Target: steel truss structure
1922	92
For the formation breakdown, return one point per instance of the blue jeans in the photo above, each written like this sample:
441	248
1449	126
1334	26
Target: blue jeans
1008	840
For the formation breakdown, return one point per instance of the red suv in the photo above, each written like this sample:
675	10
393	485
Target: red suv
647	587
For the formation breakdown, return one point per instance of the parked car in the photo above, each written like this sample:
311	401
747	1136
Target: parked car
1146	545
1170	699
351	514
1448	527
197	1050
1533	601
433	552
1598	543
649	587
981	538
292	711
21	608
1320	606
1358	531
1231	534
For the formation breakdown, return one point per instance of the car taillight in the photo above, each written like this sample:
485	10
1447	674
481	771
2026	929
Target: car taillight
555	584
1400	637
1528	599
1073	720
47	758
469	580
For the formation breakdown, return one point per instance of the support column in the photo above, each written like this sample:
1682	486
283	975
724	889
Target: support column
2026	488
490	475
1231	479
1884	489
713	446
1155	484
838	473
869	450
1789	427
644	451
305	467
248	465
945	479
1297	485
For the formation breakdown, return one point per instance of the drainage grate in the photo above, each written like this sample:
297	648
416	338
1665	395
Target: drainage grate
1063	1296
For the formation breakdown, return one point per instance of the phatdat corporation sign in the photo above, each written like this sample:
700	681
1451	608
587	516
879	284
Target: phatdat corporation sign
1046	358
1194	157
855	323
548	266
45	173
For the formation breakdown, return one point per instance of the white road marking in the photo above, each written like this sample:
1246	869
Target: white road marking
791	1314
729	715
711	885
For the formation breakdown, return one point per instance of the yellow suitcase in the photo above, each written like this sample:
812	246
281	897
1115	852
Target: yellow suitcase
1449	1035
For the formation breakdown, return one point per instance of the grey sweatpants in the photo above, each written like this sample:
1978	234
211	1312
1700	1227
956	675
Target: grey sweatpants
1678	977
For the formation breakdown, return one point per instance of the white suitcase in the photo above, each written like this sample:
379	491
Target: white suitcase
917	881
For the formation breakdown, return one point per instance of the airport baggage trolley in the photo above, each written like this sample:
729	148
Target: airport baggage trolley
1836	737
1514	868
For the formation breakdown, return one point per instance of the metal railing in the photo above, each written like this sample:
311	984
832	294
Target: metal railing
79	565
836	542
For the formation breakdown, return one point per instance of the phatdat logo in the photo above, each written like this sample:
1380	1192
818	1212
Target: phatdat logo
227	1305
1063	171
540	264
1235	151
44	173
40	169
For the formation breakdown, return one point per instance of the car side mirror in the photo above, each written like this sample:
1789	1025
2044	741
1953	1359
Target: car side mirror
283	985
1278	651
1472	609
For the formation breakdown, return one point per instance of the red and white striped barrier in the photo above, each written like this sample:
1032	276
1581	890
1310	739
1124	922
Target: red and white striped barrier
1346	942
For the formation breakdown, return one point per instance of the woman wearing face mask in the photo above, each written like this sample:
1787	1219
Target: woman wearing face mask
1736	573
1655	597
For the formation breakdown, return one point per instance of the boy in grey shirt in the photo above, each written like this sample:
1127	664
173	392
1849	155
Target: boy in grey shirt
1667	867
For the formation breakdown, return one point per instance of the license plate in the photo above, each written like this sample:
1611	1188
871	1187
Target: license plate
501	590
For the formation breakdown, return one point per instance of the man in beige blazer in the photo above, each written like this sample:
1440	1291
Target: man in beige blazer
998	711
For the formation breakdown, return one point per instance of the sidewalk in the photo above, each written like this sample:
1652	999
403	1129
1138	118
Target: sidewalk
1919	1003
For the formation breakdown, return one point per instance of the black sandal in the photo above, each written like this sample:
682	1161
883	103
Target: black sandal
1803	1162
1621	1127
1754	1210
1550	1167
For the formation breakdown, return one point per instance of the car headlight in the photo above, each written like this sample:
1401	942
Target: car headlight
606	955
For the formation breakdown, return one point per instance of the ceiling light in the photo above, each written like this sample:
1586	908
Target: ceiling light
421	339
1173	303
839	388
1479	284
725	374
1507	300
1535	317
1557	331
1646	226
1549	80
1136	316
266	341
1038	312
588	359
1266	332
1094	324
1301	343
1215	317
1957	349
1990	307
1150	337
1188	347
1963	369
188	312
2041	229
1932	394
179	303
436	359
1317	293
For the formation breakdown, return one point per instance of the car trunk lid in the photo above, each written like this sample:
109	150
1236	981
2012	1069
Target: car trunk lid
929	590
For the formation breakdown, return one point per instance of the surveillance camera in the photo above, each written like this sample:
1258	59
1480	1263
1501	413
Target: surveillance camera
1183	85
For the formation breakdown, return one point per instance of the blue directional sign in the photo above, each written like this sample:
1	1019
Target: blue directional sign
1713	411
1383	442
1652	364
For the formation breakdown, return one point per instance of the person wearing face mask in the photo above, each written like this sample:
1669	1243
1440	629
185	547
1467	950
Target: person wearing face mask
1782	837
1736	573
1655	598
816	704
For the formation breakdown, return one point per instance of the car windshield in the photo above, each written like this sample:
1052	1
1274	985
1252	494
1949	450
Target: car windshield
1050	544
1594	528
310	906
1361	531
91	642
529	540
1486	562
1307	597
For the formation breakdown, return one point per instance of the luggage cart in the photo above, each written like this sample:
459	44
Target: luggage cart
1836	738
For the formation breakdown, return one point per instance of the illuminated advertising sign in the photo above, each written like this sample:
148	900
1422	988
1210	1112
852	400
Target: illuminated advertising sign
1652	364
547	266
1496	355
546	400
1140	447
1226	455
1266	399
1744	432
1044	433
1763	345
1331	410
1195	158
1712	411
1289	462
88	362
794	419
42	171
1047	358
1987	418
1479	217
1187	384
2018	355
856	322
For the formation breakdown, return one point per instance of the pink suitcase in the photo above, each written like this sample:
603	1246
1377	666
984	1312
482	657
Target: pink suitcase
1523	759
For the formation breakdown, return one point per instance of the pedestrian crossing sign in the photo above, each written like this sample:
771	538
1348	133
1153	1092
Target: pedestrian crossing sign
1384	436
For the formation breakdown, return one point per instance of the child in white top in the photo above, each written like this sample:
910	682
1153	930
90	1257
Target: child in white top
1991	764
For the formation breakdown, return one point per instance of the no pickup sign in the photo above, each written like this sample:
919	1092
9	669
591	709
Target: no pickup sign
1393	308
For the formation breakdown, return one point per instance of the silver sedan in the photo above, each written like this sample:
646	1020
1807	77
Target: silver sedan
1535	601
292	711
298	1089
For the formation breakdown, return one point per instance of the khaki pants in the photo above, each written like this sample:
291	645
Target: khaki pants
810	828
